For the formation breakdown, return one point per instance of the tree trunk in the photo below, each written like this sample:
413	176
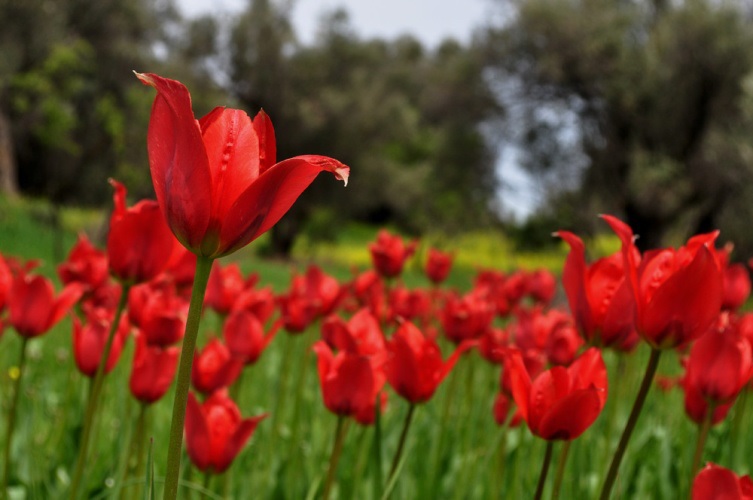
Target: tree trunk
8	183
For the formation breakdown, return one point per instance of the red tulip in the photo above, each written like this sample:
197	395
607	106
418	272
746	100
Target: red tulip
215	432
551	333
410	305
717	483
214	368
244	336
158	312
139	244
6	282
360	335
438	265
153	370
259	302
323	290
34	309
89	341
350	382
389	253
415	367
719	366
677	293
501	410
225	286
736	286
216	179
599	296
86	264
467	317
561	403
541	285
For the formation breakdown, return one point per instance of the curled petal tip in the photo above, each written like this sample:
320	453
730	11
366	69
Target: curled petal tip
145	79
342	173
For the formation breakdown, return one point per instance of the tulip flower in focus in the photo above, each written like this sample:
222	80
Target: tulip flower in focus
717	483
415	367
217	181
560	403
153	370
438	265
139	244
677	293
599	295
216	432
389	253
89	341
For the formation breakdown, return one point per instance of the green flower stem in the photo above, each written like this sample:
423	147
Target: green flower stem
648	377
12	418
203	267
401	443
560	470
139	439
544	470
334	458
703	432
377	448
95	389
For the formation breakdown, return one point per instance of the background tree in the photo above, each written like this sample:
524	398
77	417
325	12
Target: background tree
649	95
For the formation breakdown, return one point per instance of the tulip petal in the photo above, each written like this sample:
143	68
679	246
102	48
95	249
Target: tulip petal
178	161
573	280
520	381
715	482
236	442
569	417
686	304
267	144
263	203
197	434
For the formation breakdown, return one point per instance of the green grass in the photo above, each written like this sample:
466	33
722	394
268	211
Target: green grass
454	449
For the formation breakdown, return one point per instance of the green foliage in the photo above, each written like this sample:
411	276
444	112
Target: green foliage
650	96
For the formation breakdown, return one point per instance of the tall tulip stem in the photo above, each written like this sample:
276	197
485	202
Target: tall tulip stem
334	458
401	443
703	432
203	267
648	377
560	474
544	470
12	418
95	389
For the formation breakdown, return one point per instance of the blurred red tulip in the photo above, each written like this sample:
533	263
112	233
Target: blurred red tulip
677	293
153	370
414	365
6	282
389	253
225	285
158	312
85	264
139	244
501	410
214	368
466	317
89	340
560	403
438	265
361	334
717	483
216	179
599	296
350	382
736	286
34	308
244	335
215	432
720	364
541	285
552	333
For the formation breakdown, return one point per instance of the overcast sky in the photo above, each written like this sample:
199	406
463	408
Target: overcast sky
430	21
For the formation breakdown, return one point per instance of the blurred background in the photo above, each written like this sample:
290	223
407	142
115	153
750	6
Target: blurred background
518	117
